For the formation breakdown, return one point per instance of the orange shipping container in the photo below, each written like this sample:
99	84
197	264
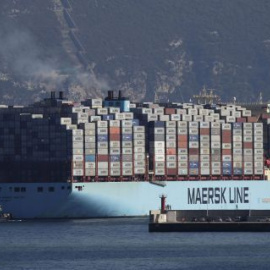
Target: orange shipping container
204	131
171	151
114	137
182	144
182	138
114	130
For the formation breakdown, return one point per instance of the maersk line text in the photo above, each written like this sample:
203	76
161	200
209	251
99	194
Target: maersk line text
218	195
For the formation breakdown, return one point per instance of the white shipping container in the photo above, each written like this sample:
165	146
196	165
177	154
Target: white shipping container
247	126
204	138
77	172
248	132
139	129
171	157
182	157
205	171
102	144
182	124
90	172
237	138
65	121
258	145
182	151
158	144
90	132
90	151
115	151
159	171
204	151
157	151
215	144
226	158
182	171
89	139
248	152
216	164
102	165
171	164
193	144
226	146
77	158
139	143
127	144
139	170
77	145
183	164
237	158
102	151
171	144
127	172
139	136
114	123
215	138
139	163
216	171
139	157
248	171
204	158
159	164
193	131
160	158
126	130
237	145
127	151
126	123
103	172
258	171
115	172
248	158
182	131
139	149
114	144
115	164
90	165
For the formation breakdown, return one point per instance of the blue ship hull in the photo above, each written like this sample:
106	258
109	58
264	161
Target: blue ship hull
115	199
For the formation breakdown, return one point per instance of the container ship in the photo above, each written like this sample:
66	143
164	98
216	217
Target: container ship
112	157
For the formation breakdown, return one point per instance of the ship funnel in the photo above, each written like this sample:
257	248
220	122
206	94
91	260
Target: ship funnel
119	94
61	95
110	95
52	95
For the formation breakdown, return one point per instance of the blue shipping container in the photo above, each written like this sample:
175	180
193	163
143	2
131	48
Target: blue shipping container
102	138
90	158
194	164
126	137
115	158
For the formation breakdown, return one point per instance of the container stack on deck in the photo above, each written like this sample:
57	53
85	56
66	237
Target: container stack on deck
93	141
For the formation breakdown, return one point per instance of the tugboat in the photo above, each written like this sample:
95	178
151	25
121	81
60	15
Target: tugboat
4	216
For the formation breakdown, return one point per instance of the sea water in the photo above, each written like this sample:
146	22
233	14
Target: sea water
125	243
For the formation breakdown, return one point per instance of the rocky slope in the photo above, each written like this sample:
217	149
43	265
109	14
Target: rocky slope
174	47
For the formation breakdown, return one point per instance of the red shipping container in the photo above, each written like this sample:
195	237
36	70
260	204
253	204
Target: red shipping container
114	130
252	119
103	157
169	111
241	119
204	131
193	151
226	139
182	138
226	151
182	144
114	137
171	151
172	171
248	145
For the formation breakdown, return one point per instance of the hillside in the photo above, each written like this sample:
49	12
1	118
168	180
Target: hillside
86	47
